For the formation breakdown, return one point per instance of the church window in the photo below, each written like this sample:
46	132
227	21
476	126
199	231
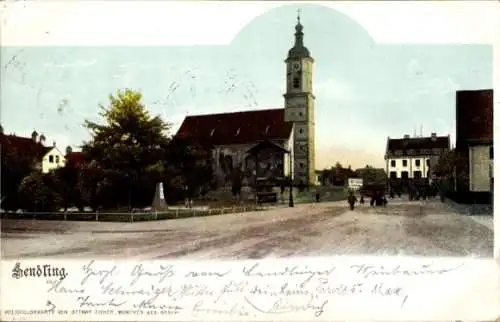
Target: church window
301	165
212	132
296	82
267	129
300	113
301	131
238	132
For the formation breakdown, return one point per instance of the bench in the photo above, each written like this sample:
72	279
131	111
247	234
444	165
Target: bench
267	197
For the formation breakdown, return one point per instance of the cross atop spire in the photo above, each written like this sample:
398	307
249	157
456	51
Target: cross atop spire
298	50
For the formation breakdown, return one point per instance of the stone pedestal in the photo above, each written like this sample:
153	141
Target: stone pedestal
159	202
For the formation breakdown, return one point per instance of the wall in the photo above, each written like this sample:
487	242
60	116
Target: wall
480	166
53	160
411	166
474	116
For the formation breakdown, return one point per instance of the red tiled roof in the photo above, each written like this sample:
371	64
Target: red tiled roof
236	127
474	116
22	145
76	158
405	144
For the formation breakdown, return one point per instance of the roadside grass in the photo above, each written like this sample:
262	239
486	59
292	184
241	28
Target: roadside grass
201	208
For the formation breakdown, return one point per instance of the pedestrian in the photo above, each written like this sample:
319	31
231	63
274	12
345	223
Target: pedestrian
351	200
384	201
188	197
317	196
362	200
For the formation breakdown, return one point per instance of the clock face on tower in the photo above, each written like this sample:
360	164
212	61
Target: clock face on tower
296	66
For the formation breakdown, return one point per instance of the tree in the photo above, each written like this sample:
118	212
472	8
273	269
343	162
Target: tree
96	187
452	169
371	175
186	164
128	146
39	192
68	177
14	166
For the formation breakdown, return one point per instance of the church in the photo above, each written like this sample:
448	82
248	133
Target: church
290	130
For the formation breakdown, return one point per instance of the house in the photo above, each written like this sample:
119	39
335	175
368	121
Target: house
231	137
414	157
45	158
52	159
474	128
74	157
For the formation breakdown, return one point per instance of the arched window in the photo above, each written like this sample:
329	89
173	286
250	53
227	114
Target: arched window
296	82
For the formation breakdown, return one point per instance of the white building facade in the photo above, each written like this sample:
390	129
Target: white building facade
52	160
414	158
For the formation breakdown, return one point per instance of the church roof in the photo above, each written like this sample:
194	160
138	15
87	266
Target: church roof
236	127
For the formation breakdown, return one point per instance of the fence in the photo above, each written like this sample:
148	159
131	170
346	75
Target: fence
132	216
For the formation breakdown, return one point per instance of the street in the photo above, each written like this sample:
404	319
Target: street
420	228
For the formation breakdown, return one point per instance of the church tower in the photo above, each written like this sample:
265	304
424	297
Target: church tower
299	107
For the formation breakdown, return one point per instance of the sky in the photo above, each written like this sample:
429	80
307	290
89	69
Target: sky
222	57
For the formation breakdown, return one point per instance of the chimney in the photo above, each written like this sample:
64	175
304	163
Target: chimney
407	136
1	129
34	136
54	144
42	139
68	150
433	136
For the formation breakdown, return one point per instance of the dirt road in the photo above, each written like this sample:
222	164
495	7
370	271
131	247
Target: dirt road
417	228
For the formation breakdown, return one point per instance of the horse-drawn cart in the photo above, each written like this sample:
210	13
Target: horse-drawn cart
376	193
